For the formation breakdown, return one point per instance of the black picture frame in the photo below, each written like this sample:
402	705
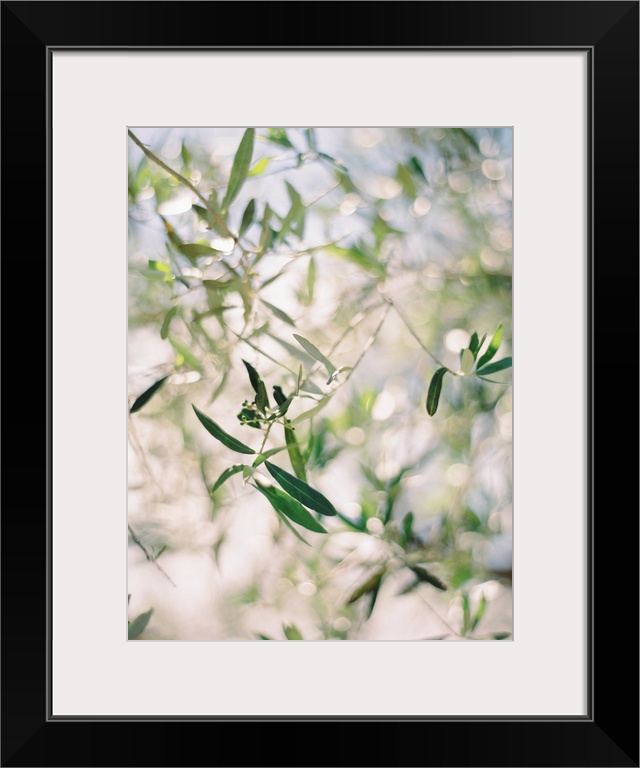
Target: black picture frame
608	735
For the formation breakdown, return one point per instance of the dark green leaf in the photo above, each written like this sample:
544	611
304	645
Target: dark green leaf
247	217
262	399
197	249
284	503
407	528
213	429
254	376
466	613
144	398
230	472
281	409
315	353
279	313
295	456
433	396
417	168
474	344
424	575
240	168
301	491
164	329
499	365
291	632
137	626
494	344
373	582
278	395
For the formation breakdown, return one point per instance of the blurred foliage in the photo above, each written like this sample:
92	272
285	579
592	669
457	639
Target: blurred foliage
320	400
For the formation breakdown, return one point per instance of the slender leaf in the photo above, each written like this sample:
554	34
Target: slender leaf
247	217
164	328
311	412
260	166
303	357
480	612
369	585
407	528
262	457
213	429
315	353
295	456
187	356
279	313
284	503
416	167
424	575
494	344
144	398
254	376
192	250
138	625
159	266
311	278
474	344
466	360
466	613
230	472
278	395
433	396
293	530
262	399
291	632
499	365
301	491
240	168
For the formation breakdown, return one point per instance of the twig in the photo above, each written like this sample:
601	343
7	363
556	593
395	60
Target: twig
216	216
412	332
149	557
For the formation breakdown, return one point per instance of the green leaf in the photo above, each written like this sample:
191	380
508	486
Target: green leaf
279	313
480	612
192	250
494	344
474	344
260	166
262	457
371	584
278	395
137	626
301	491
240	168
295	456
144	398
466	360
293	530
311	278
262	399
281	409
433	396
315	353
294	352
291	632
254	376
213	429
407	528
247	217
164	328
424	575
499	365
159	266
466	614
187	356
359	256
311	412
289	507
230	472
279	136
417	168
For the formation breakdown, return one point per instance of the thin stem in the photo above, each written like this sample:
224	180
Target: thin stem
149	557
216	216
413	333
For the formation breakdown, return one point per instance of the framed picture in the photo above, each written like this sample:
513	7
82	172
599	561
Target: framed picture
561	81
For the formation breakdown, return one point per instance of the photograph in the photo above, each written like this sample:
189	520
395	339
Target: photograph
319	358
